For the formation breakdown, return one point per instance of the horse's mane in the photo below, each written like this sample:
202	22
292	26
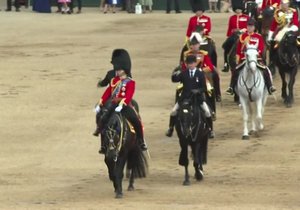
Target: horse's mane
288	50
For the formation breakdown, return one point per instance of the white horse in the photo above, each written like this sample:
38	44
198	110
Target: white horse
252	92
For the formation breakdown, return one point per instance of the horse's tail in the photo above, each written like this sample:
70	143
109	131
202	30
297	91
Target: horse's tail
203	148
137	163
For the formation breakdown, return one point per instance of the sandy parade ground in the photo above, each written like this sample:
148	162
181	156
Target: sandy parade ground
50	64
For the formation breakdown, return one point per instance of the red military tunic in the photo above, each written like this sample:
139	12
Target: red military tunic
268	3
203	60
237	22
120	91
250	39
196	21
278	17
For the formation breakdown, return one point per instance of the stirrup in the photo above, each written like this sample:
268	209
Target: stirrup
272	89
225	68
229	91
143	146
97	132
102	150
169	132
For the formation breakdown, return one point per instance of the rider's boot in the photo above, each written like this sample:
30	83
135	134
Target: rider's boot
102	149
172	122
233	81
209	122
268	81
97	131
216	81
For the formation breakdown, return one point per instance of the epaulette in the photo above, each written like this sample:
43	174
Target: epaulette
186	52
112	82
241	38
204	52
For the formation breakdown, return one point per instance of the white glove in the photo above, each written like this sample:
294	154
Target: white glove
293	28
119	108
270	35
97	109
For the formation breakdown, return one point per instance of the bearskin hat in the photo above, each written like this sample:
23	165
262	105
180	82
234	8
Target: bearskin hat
237	4
198	5
121	60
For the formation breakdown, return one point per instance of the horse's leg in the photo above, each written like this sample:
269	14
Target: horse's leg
183	158
119	176
186	181
290	97
197	161
246	111
131	181
283	87
259	114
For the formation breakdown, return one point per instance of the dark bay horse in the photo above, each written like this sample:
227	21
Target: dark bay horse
287	60
122	148
192	131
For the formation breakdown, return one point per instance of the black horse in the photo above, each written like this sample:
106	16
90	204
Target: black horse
121	148
192	130
287	60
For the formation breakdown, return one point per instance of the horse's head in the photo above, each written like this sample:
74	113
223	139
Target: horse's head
288	40
113	136
189	115
251	56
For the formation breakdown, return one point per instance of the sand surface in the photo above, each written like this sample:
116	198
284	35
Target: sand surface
50	64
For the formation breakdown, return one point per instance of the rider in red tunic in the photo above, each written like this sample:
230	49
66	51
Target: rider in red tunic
250	37
237	24
117	97
270	3
199	19
285	19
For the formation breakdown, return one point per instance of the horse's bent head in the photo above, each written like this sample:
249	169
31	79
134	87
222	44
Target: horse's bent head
113	136
185	116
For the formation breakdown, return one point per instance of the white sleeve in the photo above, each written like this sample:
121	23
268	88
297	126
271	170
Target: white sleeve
293	28
270	35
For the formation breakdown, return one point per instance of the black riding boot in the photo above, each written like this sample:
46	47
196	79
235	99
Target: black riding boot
132	117
216	80
271	89
233	81
209	122
102	149
226	66
172	122
97	131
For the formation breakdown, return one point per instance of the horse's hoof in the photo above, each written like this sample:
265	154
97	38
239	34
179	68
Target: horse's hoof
186	183
288	105
119	195
199	176
251	132
245	137
130	188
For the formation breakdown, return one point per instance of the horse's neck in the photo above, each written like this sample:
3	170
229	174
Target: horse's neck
248	74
